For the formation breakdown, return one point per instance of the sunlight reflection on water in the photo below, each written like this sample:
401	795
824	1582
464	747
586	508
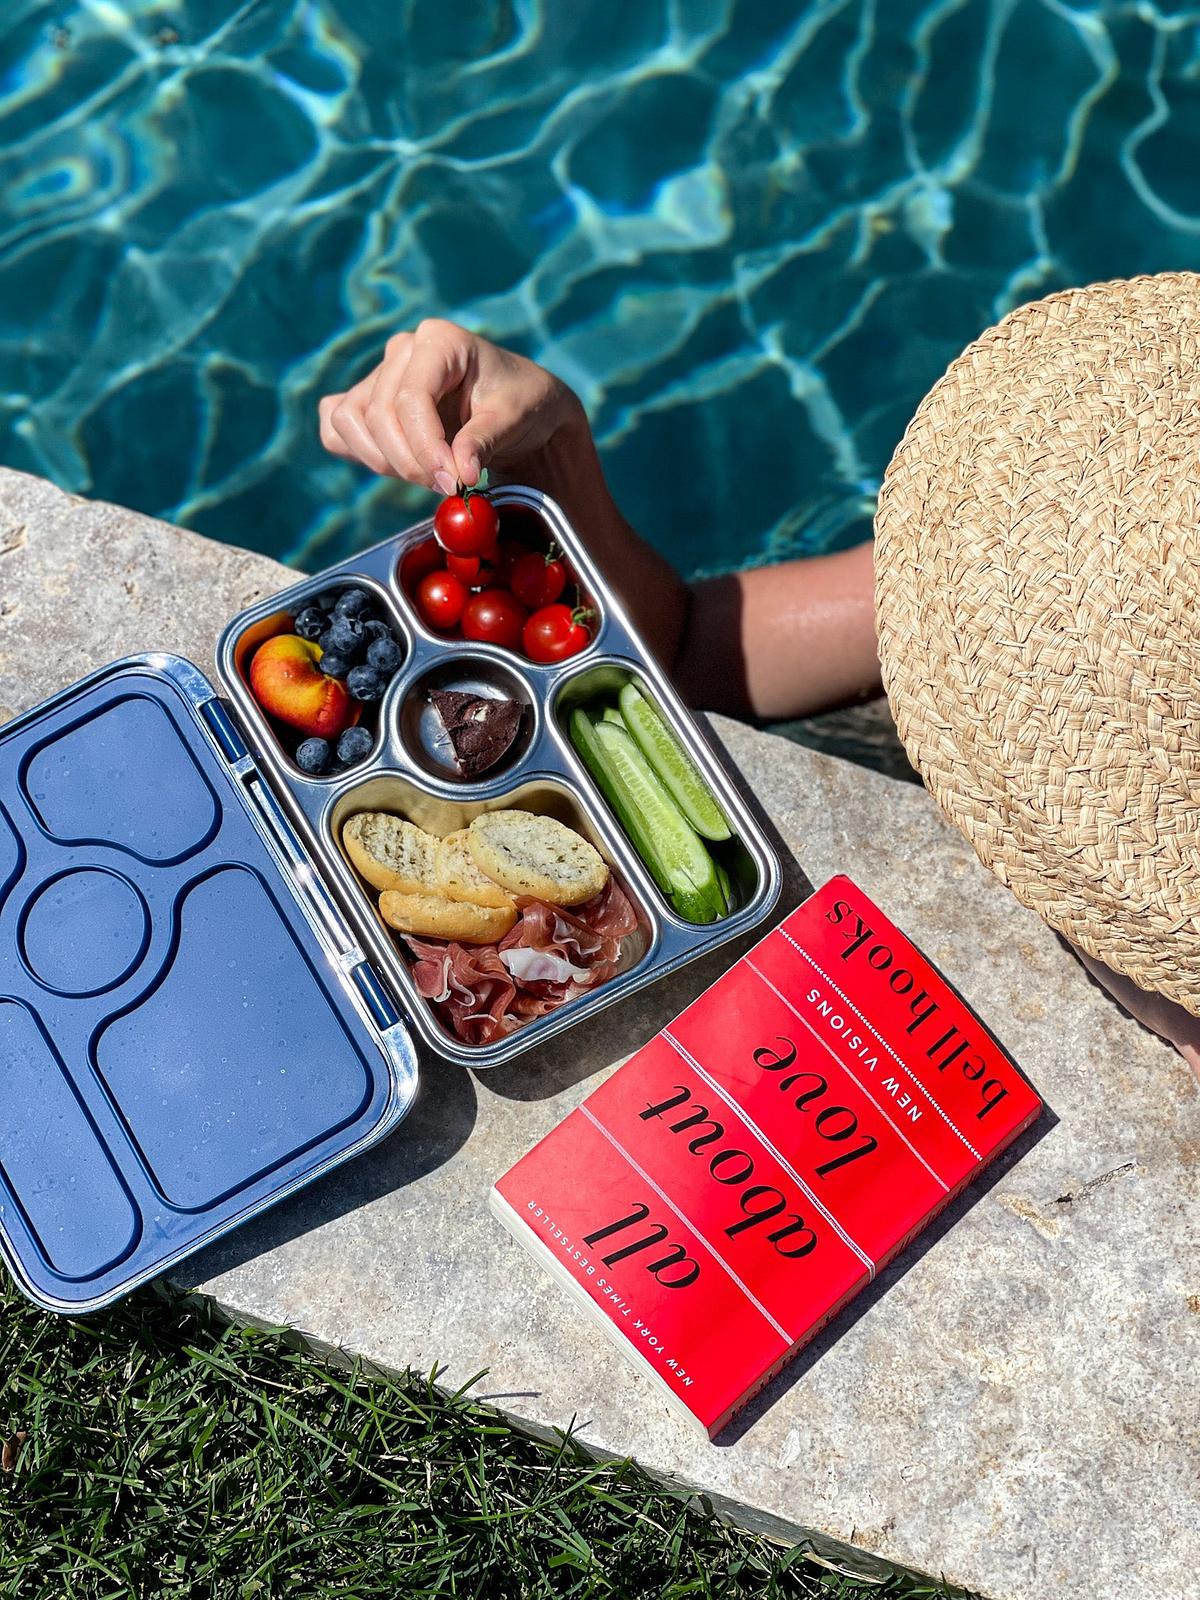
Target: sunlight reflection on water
751	235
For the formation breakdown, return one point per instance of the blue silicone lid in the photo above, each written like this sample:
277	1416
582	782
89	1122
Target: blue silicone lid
187	1030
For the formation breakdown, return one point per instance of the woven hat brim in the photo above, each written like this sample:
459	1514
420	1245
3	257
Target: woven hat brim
1037	579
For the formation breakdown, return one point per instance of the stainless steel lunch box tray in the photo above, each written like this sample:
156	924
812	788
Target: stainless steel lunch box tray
546	774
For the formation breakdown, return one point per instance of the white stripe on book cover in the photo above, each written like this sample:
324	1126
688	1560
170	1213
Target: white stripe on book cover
845	999
879	1106
758	1133
789	1338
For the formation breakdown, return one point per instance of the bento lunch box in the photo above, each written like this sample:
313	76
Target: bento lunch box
202	1009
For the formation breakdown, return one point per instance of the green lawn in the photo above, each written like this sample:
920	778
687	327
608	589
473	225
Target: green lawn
168	1454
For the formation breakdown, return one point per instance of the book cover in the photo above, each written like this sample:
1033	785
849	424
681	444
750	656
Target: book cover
725	1192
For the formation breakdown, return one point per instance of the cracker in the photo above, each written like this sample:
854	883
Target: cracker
533	855
392	853
460	878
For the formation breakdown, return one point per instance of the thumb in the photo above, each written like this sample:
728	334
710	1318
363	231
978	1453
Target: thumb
474	445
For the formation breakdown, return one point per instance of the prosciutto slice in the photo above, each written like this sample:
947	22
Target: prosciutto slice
540	966
467	985
550	955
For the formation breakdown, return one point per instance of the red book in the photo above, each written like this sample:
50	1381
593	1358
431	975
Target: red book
746	1173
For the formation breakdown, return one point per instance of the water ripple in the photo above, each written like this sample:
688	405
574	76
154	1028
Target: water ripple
750	235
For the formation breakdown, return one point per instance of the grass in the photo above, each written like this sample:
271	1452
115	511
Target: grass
168	1454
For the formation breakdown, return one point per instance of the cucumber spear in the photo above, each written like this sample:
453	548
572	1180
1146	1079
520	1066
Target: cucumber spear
672	764
674	856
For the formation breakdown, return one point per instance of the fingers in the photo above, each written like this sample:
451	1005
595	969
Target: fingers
379	414
344	430
440	406
406	399
473	445
330	437
355	426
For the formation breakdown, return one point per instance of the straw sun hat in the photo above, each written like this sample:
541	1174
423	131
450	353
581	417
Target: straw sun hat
1038	602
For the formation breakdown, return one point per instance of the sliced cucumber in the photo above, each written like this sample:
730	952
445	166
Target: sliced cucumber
611	714
694	888
672	764
693	904
583	737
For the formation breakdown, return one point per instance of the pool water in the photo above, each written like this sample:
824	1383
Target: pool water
750	233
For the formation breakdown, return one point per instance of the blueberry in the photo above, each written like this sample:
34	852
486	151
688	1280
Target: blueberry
314	756
376	630
344	637
352	603
354	745
326	641
311	623
364	683
328	598
385	655
333	665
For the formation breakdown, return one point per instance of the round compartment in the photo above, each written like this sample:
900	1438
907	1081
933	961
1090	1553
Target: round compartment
425	734
84	931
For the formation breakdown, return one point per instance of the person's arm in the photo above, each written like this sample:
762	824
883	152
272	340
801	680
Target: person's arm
783	641
775	642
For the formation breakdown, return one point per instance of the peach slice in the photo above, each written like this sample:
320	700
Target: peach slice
288	683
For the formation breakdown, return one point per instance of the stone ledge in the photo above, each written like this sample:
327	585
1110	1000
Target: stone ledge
1013	1403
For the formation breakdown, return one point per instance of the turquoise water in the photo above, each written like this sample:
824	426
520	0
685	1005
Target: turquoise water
749	234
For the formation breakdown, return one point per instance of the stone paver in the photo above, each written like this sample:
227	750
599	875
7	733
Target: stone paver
1014	1403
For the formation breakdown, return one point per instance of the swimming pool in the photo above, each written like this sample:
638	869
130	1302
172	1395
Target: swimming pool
751	234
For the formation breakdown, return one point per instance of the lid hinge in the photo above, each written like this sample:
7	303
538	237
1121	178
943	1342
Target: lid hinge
378	1000
224	730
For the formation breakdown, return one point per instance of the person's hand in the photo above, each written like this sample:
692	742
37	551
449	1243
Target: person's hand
442	405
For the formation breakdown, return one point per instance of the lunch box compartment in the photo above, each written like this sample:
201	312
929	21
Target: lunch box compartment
528	524
600	684
423	733
267	730
440	815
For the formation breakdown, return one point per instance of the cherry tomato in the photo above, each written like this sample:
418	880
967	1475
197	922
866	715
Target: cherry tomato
423	558
537	580
441	598
466	524
464	568
556	632
495	617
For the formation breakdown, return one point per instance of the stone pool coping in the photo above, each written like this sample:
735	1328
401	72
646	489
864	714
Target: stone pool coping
1012	1404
